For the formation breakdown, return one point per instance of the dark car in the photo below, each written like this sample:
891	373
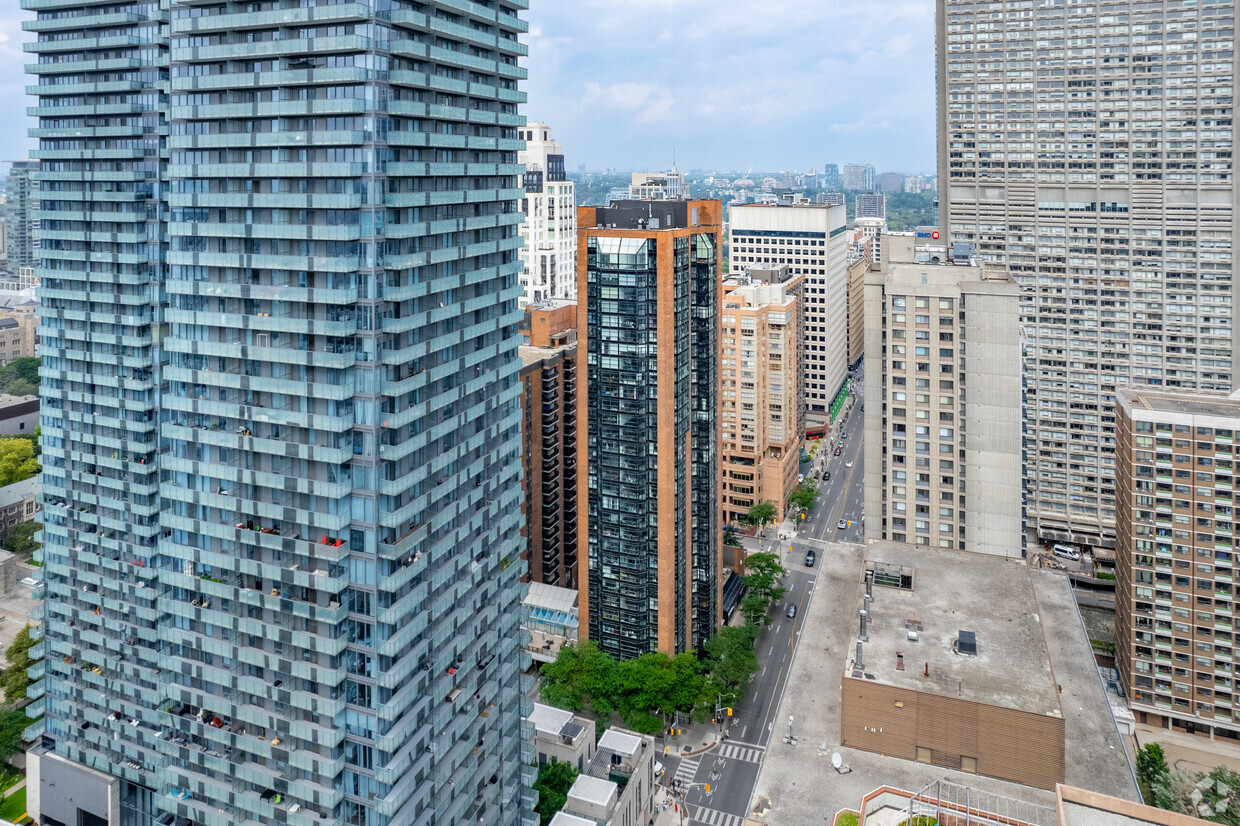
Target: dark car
826	476
791	613
810	558
838	451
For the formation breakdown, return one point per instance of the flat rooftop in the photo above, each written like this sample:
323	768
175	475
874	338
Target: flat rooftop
1193	403
534	355
549	719
593	790
949	592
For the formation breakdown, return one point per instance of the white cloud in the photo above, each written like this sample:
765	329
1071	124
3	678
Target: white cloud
645	102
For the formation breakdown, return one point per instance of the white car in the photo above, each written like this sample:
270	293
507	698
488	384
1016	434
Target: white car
848	464
841	525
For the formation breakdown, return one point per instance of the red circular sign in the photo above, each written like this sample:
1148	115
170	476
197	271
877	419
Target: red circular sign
935	235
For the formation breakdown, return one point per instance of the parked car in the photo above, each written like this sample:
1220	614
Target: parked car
842	525
838	451
826	476
810	558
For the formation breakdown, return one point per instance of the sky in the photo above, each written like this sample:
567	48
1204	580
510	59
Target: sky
722	84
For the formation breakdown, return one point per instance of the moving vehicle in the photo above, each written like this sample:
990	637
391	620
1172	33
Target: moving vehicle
810	558
848	463
842	525
791	613
838	451
826	476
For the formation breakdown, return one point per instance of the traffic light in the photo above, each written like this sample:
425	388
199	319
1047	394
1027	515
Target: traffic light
729	712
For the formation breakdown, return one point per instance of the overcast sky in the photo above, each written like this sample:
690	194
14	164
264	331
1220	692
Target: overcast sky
726	84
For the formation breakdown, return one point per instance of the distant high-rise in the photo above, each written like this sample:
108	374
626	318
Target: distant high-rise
891	182
871	205
939	471
831	176
549	254
1175	460
858	177
831	198
658	186
21	203
1111	199
809	238
761	431
281	464
648	332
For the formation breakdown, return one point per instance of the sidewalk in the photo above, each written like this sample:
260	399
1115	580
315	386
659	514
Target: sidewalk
1189	752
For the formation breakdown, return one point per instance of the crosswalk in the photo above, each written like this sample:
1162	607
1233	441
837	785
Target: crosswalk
739	753
687	769
702	816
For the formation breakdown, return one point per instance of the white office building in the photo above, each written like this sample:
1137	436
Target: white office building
1087	149
810	239
658	186
549	253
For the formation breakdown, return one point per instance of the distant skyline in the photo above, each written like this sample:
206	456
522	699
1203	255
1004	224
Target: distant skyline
627	84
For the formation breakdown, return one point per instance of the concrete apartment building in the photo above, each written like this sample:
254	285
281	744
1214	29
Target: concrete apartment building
658	186
281	415
873	229
549	441
857	177
809	238
1101	178
21	214
549	254
19	502
858	266
870	205
562	736
942	423
1175	634
760	426
648	429
617	788
891	182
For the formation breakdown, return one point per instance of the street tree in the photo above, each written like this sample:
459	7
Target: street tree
761	514
763	575
804	496
554	781
581	674
731	660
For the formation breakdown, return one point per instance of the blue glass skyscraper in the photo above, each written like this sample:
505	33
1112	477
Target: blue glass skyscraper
279	251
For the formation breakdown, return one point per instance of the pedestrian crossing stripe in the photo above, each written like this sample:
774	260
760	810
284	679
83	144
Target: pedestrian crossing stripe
740	753
703	816
687	769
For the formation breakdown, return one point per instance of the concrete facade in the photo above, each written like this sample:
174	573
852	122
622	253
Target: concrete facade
871	205
1175	465
19	415
658	186
1111	206
549	232
858	266
858	177
942	426
19	502
810	238
623	756
562	736
761	431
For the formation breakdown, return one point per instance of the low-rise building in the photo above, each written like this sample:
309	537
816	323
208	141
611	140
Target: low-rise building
551	620
937	674
617	789
562	736
19	502
19	415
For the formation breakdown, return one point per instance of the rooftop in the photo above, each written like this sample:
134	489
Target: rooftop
620	742
593	790
565	819
949	592
1195	403
16	492
655	215
550	720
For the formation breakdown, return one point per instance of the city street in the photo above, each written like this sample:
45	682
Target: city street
731	768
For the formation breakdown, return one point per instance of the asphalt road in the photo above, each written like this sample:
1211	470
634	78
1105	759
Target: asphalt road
731	768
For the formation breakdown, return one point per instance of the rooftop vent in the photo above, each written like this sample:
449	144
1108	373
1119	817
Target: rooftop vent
966	644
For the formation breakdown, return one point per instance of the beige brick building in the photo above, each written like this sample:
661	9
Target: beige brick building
761	431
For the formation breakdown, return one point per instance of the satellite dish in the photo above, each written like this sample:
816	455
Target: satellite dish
836	760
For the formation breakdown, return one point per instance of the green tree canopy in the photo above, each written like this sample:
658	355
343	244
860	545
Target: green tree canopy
731	660
761	513
581	674
20	377
13	722
17	461
13	679
804	496
19	539
554	781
